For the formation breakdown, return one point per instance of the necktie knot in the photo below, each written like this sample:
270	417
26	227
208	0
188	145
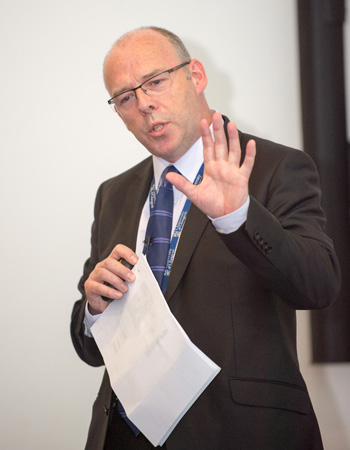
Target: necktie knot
163	181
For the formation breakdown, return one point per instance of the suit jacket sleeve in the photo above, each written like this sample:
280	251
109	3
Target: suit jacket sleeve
84	345
283	240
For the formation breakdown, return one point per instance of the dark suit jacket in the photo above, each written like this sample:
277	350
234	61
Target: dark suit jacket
235	296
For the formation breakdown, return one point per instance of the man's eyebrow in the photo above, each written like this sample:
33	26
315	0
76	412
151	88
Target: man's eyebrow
151	74
143	78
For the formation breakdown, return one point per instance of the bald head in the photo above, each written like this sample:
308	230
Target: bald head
173	39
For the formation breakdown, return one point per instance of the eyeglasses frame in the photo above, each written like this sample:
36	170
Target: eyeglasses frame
173	69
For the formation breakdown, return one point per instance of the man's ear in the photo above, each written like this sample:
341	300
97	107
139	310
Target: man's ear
198	75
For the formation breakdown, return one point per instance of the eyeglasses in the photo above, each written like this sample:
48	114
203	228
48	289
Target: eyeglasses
153	86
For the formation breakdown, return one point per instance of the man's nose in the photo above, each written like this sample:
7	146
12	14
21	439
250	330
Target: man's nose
145	102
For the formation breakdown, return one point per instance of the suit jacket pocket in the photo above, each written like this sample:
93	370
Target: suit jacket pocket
270	394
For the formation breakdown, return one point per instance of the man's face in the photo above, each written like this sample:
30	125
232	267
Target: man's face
167	124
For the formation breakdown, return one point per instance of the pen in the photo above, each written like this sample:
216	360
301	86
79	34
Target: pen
147	243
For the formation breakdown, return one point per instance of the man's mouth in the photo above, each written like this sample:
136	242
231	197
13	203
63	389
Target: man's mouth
158	127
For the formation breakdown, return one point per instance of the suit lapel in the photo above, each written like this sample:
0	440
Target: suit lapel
193	229
128	197
143	180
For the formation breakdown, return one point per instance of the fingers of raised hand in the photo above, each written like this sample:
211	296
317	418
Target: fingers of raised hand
249	159
214	148
234	154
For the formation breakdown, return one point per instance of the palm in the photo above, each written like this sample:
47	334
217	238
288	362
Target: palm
224	187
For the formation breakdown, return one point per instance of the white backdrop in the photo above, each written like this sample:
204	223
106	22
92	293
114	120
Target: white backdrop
59	141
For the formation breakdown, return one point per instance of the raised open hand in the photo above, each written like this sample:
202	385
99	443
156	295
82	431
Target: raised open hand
224	187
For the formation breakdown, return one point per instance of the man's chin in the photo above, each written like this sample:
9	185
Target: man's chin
169	153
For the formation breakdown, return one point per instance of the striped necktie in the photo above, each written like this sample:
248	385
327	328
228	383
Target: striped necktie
158	232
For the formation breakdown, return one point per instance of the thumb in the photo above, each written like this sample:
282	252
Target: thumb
181	184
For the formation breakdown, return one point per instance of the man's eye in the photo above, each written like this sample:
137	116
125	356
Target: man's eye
125	99
156	83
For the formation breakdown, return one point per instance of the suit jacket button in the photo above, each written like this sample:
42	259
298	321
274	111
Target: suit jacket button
256	236
268	250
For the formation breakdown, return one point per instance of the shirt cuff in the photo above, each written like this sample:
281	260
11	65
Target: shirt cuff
89	320
231	222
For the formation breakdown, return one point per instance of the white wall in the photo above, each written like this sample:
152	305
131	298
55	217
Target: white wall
59	140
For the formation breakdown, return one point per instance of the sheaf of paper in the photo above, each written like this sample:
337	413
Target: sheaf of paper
154	369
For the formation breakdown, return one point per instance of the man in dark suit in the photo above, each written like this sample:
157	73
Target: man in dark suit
251	252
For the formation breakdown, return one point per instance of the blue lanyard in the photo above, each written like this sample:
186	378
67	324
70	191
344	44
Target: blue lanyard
179	226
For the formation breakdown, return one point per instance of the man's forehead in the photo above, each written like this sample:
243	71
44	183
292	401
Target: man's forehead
134	64
142	66
129	74
130	82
